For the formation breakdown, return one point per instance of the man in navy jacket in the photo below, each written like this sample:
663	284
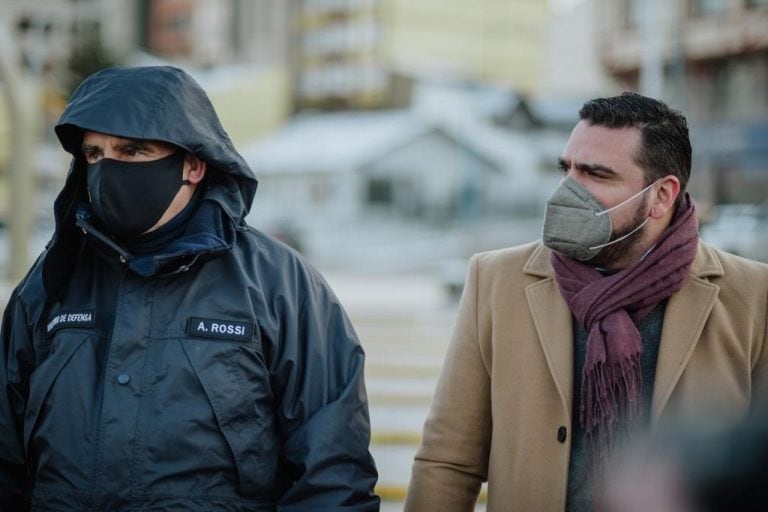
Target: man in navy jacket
161	354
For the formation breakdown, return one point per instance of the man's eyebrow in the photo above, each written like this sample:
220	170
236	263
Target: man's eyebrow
89	147
595	167
131	144
565	164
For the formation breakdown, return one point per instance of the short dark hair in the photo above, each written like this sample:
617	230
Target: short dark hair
665	146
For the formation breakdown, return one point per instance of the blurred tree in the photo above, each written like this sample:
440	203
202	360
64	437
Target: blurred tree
21	94
88	56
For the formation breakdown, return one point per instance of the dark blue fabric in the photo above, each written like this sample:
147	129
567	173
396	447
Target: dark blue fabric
155	241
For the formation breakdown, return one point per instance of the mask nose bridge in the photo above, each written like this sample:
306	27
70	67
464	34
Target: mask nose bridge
576	188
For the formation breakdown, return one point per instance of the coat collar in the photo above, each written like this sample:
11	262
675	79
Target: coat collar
686	313
706	263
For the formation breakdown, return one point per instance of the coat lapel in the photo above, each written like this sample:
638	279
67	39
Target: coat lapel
553	323
686	313
684	319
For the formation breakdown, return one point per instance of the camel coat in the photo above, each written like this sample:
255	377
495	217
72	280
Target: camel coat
502	409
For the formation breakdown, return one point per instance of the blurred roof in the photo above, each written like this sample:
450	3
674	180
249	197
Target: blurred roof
337	142
465	113
345	142
557	112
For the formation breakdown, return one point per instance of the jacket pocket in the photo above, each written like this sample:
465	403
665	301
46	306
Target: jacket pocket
236	385
61	350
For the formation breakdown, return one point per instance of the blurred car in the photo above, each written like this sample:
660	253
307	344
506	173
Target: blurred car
740	229
451	273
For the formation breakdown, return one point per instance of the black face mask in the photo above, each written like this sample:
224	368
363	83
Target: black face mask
130	197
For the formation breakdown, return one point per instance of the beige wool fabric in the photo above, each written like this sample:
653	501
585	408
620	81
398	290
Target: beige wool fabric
506	387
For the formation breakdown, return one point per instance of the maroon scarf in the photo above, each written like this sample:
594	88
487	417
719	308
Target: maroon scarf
608	307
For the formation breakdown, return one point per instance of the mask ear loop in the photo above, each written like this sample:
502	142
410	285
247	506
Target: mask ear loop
597	214
621	237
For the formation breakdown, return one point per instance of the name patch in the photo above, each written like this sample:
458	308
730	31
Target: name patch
220	329
70	319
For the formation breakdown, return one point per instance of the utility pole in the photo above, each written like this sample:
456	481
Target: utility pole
652	63
21	94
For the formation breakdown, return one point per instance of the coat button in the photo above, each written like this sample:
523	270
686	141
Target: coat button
562	433
123	378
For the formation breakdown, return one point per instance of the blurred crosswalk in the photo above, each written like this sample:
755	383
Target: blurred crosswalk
404	323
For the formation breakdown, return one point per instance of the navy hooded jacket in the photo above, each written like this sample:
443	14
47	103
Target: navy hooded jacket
220	373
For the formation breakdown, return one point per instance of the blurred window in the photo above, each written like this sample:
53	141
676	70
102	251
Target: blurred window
380	191
707	7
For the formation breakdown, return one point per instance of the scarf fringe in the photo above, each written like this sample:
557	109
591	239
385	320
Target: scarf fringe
611	401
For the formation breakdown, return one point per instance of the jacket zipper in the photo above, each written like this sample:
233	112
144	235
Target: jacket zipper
102	383
87	228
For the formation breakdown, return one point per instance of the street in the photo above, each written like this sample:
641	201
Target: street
404	322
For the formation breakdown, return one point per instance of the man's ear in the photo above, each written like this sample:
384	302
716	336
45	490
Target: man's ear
194	168
666	191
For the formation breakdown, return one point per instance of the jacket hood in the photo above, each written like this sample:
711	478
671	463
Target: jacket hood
160	103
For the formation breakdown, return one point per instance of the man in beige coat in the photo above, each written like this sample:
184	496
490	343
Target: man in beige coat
619	321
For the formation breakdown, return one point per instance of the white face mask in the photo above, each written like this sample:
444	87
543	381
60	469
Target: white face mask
577	224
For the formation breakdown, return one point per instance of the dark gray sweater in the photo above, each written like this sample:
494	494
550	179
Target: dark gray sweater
579	497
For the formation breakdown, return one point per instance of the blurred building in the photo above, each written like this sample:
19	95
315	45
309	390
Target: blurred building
346	167
369	53
714	56
237	49
332	51
493	41
206	33
465	164
338	58
571	67
46	31
43	36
